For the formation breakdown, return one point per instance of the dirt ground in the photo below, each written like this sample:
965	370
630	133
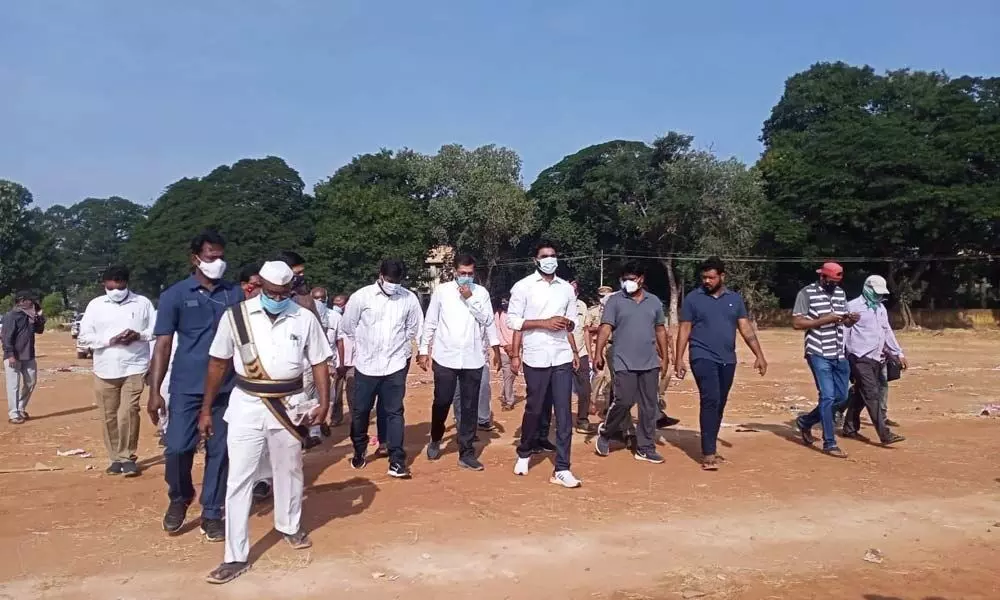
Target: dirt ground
777	521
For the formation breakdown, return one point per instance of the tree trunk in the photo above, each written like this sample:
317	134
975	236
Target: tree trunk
675	292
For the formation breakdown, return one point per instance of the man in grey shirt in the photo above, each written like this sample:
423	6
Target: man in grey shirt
20	326
638	322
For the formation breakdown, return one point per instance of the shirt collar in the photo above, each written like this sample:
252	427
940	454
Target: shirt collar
537	276
194	284
725	291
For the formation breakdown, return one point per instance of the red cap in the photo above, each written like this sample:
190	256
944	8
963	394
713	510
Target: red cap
833	271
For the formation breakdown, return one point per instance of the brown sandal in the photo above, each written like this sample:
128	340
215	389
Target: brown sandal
227	572
709	463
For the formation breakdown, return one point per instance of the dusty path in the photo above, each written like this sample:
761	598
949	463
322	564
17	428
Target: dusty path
778	521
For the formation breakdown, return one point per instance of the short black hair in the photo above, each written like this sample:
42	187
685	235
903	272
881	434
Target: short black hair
290	258
24	295
392	268
249	270
633	267
464	260
116	273
713	263
208	236
543	245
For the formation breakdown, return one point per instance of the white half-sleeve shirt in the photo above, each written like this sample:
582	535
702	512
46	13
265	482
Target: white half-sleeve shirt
534	298
284	347
456	329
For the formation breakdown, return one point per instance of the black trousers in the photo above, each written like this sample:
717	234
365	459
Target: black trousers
581	381
714	381
635	387
445	382
867	373
548	389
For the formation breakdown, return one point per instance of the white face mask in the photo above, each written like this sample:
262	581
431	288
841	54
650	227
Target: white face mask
548	265
213	270
389	287
116	295
630	286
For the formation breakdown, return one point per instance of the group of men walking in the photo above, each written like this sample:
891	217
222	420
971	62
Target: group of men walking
256	367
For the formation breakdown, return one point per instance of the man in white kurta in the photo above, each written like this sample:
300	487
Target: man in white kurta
286	337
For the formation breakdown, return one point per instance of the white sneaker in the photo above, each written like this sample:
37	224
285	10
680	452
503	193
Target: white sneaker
521	466
565	479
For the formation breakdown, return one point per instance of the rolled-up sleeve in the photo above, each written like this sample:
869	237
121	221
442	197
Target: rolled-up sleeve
515	308
167	315
224	342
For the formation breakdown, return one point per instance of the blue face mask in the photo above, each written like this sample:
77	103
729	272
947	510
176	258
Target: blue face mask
337	309
274	307
464	280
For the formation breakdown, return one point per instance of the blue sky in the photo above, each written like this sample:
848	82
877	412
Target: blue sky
103	97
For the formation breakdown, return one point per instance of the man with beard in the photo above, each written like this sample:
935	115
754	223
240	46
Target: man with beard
641	354
190	310
821	311
710	317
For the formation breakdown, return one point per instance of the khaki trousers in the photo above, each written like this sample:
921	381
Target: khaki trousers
119	401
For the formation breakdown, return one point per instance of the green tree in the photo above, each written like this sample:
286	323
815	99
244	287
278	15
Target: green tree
258	205
895	166
21	264
580	201
371	209
53	305
477	203
89	236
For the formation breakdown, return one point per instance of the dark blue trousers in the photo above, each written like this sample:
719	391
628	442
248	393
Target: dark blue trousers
390	390
548	389
182	439
714	381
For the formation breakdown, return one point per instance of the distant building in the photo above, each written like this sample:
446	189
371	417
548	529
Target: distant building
439	267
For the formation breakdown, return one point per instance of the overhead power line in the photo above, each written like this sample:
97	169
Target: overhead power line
768	259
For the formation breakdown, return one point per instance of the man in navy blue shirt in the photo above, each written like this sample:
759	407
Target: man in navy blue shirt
191	309
710	317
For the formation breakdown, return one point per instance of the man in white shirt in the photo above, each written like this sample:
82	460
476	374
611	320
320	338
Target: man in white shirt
383	320
118	328
455	327
542	314
280	337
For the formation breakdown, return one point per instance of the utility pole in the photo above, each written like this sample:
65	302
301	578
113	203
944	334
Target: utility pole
602	267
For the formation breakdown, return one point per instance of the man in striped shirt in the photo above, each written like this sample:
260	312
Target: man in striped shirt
821	311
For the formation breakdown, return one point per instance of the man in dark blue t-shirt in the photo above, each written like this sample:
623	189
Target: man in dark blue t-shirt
710	317
191	310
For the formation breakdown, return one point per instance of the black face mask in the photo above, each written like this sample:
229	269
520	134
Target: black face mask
298	281
503	305
829	286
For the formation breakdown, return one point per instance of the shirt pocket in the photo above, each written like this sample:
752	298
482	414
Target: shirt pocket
195	316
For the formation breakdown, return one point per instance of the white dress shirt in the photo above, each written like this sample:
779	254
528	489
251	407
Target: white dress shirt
872	336
284	347
104	319
333	319
456	328
532	299
382	329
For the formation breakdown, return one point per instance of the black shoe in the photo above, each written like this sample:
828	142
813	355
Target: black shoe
381	452
891	423
470	463
806	433
227	572
114	469
665	421
399	471
585	427
358	462
545	446
894	438
214	530
603	446
487	426
434	450
174	519
311	442
299	541
130	469
324	429
261	491
851	435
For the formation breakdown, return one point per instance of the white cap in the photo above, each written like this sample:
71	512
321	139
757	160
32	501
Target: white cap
276	272
877	283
